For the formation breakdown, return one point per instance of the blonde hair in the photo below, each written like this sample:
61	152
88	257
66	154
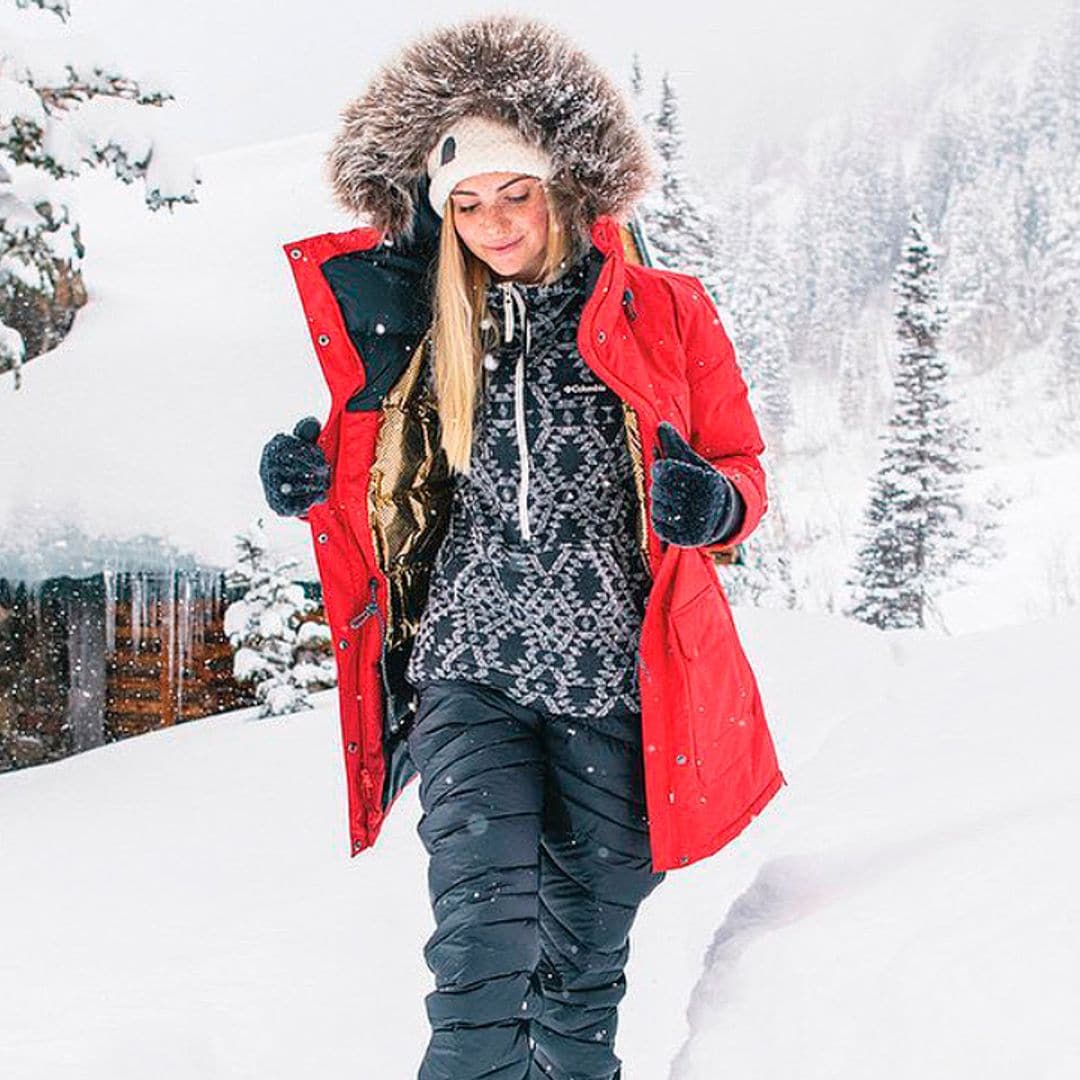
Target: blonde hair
460	307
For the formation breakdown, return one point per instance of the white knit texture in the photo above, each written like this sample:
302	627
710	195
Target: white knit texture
481	146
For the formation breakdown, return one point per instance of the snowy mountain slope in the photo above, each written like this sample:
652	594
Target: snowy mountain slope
183	904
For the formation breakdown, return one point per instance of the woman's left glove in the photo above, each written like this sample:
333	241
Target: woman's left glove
294	470
692	503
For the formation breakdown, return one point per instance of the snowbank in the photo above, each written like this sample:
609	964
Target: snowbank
148	420
182	904
915	913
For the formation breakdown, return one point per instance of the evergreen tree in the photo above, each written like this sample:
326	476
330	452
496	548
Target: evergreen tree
1065	384
977	273
915	527
1068	38
678	222
637	79
44	130
763	577
275	649
759	330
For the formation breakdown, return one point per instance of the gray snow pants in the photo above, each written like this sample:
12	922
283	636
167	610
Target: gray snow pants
539	857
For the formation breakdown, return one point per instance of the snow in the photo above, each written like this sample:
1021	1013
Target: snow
186	904
18	101
195	316
183	903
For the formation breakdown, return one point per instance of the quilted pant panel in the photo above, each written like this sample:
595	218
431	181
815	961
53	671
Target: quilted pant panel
538	859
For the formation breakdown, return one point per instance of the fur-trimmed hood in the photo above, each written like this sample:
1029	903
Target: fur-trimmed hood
507	67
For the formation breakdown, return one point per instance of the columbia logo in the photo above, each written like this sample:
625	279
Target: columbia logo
584	388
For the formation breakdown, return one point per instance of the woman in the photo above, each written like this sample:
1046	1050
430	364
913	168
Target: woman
534	447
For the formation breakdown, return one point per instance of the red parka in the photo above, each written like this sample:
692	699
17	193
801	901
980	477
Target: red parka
709	760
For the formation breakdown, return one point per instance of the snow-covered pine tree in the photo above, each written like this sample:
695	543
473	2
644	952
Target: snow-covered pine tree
46	137
980	231
764	576
685	234
315	668
760	331
1065	378
915	522
678	222
637	79
274	650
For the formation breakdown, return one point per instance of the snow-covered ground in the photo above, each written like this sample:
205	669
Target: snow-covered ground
182	905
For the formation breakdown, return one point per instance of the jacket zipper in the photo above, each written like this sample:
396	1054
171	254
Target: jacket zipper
372	608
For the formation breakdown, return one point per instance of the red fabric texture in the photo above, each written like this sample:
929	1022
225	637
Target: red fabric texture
710	762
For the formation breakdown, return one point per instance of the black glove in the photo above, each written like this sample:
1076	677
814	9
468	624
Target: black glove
294	470
693	504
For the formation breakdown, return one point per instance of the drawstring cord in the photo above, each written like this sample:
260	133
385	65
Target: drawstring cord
512	297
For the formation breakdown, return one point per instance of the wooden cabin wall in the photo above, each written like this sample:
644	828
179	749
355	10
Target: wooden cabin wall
88	661
33	675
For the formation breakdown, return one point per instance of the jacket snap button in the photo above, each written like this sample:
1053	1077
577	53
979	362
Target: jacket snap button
357	845
322	538
343	644
601	336
295	253
680	759
351	748
324	339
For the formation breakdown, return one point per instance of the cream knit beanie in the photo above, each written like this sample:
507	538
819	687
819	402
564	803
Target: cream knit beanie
475	144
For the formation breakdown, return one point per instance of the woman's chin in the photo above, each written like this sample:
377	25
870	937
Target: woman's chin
506	265
509	267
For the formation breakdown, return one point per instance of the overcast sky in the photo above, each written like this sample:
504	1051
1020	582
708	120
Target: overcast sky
251	70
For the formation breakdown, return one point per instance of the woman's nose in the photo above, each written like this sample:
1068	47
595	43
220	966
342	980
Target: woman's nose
497	222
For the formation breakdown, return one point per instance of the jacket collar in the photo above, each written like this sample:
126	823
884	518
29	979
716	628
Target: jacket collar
604	288
337	294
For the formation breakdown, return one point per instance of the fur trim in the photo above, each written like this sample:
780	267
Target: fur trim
507	67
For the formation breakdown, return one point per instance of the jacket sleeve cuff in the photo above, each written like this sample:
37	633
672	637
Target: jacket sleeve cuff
733	519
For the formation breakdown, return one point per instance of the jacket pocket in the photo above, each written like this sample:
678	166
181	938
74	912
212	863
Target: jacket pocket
716	684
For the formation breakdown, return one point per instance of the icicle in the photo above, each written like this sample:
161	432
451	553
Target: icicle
35	597
109	579
187	624
135	604
206	584
169	621
147	620
185	644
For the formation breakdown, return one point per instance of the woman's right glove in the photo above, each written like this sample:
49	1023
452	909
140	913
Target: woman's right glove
693	503
294	470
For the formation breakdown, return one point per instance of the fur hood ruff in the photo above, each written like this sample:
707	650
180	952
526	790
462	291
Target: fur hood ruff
506	67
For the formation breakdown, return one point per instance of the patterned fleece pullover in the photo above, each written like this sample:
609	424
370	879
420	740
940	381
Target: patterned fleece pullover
539	586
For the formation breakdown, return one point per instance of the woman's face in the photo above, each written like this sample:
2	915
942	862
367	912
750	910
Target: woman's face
502	218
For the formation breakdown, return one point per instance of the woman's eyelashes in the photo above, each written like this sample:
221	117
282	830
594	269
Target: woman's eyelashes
509	198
